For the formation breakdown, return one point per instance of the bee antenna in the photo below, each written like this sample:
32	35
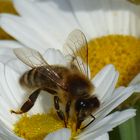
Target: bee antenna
89	122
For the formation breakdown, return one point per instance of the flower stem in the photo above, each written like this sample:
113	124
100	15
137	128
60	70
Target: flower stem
128	130
138	120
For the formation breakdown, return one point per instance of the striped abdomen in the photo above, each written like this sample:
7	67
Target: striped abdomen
36	78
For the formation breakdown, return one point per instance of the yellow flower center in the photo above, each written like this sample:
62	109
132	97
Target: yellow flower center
36	127
121	51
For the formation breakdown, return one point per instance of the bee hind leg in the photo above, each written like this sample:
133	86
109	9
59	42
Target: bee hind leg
58	110
28	104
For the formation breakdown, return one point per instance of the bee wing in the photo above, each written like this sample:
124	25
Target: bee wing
76	45
34	59
30	57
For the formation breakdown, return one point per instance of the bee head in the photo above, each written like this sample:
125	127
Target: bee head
84	108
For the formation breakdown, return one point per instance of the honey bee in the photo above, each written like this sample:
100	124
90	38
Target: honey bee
70	86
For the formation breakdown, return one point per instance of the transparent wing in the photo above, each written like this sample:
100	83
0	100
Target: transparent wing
34	59
76	45
30	57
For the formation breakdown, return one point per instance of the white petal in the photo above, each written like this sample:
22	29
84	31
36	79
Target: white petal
6	133
7	57
17	27
111	86
43	103
10	44
86	15
48	25
5	90
11	92
102	137
63	134
114	17
3	137
18	66
55	57
136	80
16	91
107	124
105	82
136	83
5	116
118	97
59	16
137	88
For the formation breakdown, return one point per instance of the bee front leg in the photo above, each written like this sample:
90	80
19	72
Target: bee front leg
29	103
67	109
58	110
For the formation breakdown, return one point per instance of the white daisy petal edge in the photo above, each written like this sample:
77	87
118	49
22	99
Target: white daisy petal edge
15	24
136	80
102	137
62	134
65	134
11	97
10	44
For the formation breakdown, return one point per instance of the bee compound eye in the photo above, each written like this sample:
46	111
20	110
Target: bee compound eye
94	102
81	104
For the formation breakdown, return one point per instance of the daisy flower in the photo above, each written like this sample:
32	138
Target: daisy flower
42	25
12	96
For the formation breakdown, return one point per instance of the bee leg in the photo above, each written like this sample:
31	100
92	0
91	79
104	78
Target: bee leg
89	122
29	103
51	91
58	110
67	109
